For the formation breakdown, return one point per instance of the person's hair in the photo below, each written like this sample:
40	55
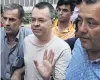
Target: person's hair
66	2
91	1
1	9
42	5
15	6
77	2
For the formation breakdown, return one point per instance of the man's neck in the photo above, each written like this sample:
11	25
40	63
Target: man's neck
44	39
62	26
93	55
11	38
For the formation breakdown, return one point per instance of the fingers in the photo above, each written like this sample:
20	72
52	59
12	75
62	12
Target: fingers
48	57
51	56
45	55
54	62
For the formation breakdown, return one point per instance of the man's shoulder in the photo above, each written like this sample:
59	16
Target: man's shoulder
25	31
78	44
78	50
29	38
60	43
2	31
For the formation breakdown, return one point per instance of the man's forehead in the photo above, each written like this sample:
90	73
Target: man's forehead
64	6
37	13
90	11
37	10
90	8
11	10
84	4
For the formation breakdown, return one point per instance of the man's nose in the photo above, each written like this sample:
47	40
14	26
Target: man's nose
36	23
82	27
7	22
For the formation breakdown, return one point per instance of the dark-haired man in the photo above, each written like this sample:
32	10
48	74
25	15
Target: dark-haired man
63	27
43	15
85	62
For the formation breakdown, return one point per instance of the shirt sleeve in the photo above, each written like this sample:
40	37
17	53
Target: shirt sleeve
62	64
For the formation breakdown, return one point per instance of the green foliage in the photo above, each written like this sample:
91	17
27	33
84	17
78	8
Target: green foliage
27	18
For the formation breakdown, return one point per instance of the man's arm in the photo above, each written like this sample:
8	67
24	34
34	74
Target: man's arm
45	68
17	74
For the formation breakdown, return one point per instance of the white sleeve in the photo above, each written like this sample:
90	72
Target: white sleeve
62	64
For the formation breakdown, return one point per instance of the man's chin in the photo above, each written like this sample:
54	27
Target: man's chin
84	44
8	32
37	34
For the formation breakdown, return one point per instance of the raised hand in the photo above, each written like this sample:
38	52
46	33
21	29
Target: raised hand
45	68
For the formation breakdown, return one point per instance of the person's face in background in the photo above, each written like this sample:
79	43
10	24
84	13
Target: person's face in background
64	13
11	21
89	26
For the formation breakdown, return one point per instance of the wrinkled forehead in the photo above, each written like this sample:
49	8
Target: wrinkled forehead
89	9
93	6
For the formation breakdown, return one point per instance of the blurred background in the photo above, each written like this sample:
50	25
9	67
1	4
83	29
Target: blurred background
27	5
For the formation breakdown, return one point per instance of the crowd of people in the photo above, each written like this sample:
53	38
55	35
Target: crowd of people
63	48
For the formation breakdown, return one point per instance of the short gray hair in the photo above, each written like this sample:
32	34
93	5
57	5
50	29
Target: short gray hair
15	6
42	5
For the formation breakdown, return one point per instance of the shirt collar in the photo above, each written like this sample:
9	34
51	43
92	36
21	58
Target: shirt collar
65	31
70	27
17	37
95	61
92	61
86	55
